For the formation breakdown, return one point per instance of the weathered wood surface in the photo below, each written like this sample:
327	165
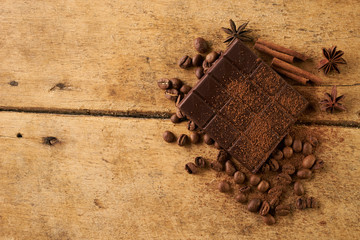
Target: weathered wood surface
108	54
115	178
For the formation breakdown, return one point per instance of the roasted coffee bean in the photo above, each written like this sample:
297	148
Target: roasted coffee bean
245	189
319	164
168	136
211	57
200	162
229	168
307	149
215	165
282	210
300	203
288	168
164	83
254	180
263	186
277	154
312	140
208	140
275	192
171	94
288	141
224	186
191	126
217	146
304	173
288	152
298	188
297	145
182	140
199	72
265	168
274	202
174	118
201	45
269	220
191	168
178	100
308	161
176	83
241	198
206	65
274	165
311	203
239	177
197	60
185	62
283	179
222	156
185	89
254	205
264	209
194	137
179	114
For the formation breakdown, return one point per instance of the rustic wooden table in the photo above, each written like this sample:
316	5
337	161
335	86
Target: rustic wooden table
86	73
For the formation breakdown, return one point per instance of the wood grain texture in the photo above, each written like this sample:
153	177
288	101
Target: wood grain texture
115	178
105	56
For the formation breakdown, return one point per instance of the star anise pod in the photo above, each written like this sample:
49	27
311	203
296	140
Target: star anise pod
332	59
331	102
239	33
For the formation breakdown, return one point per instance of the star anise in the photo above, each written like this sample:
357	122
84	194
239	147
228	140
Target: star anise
239	33
331	102
332	59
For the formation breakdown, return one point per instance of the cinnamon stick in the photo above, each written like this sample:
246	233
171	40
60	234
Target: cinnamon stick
295	70
279	55
282	49
294	77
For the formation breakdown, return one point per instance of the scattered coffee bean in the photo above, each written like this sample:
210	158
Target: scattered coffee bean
199	72
208	140
275	192
300	203
241	198
245	189
179	114
206	65
265	168
311	203
288	141
222	156
282	210
269	220
200	162
185	89
254	180
308	161
224	186
312	140
197	60
307	149
277	154
182	140
298	188
239	177
263	186
319	164
176	83
297	145
304	173
274	165
229	168
254	205
201	45
194	137
168	136
283	179
185	62
264	209
174	118
215	165
217	146
288	168
211	57
274	202
191	126
164	83
171	94
191	168
288	152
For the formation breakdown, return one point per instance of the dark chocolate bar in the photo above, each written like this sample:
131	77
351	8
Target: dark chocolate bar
245	106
